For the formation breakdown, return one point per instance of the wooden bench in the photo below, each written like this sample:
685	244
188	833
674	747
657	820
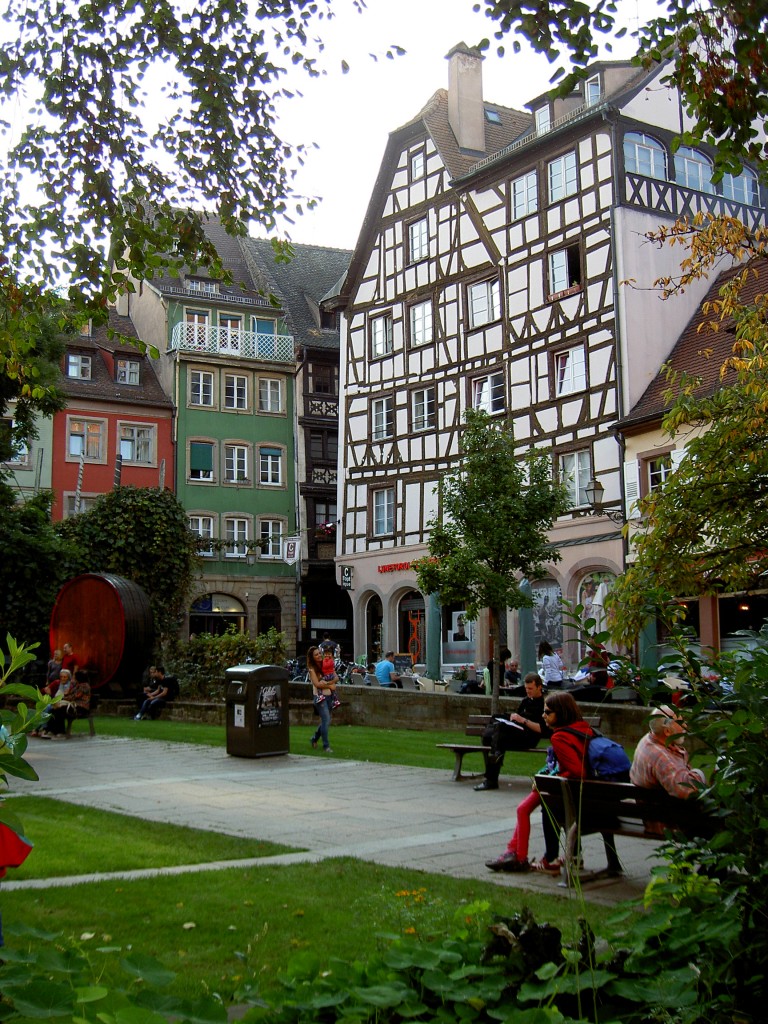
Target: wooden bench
588	806
476	726
90	718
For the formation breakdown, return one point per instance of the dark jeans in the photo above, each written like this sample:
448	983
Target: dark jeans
152	708
501	738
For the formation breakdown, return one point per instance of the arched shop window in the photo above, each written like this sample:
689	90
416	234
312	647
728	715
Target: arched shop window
411	626
268	614
374	616
547	613
212	613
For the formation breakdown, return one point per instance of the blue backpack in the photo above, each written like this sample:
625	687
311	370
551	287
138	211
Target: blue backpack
608	761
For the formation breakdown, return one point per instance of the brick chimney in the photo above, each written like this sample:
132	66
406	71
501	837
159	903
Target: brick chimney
466	114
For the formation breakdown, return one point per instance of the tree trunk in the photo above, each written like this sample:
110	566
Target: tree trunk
493	632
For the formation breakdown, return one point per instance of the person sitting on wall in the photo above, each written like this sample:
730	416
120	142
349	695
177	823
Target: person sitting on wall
522	731
385	671
163	691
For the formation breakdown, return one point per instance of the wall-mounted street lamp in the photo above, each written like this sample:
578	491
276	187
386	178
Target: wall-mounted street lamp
594	492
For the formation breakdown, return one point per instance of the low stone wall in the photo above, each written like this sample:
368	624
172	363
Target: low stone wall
399	709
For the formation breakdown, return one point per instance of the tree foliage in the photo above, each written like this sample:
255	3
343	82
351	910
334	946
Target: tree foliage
496	509
30	348
715	51
36	562
141	533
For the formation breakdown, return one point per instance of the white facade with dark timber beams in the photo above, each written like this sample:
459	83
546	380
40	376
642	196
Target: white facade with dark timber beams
487	274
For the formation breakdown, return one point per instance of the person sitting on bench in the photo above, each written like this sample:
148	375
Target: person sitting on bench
661	760
522	731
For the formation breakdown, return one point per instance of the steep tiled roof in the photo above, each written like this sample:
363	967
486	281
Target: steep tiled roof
102	386
699	351
300	284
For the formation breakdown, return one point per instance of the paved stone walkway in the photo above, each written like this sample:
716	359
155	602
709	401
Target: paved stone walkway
382	813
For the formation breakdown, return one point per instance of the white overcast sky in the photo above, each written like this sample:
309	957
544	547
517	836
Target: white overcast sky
350	115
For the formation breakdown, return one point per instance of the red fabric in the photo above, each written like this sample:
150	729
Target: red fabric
571	750
69	662
13	849
518	844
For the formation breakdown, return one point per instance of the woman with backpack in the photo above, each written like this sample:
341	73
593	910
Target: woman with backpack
567	756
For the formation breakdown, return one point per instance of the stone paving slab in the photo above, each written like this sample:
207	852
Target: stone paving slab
386	814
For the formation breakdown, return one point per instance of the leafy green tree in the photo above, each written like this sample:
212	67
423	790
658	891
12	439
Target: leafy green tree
715	51
30	348
496	509
141	533
36	562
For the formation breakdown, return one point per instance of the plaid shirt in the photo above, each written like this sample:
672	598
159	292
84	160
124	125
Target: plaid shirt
657	765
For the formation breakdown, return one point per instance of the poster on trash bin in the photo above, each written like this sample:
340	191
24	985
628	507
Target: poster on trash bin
268	708
239	716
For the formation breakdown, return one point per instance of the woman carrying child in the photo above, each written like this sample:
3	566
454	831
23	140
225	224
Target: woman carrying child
323	695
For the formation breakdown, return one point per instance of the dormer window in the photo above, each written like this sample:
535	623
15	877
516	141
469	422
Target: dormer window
592	91
202	285
543	120
127	371
86	329
79	367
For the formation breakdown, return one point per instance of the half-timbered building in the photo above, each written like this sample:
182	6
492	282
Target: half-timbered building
489	273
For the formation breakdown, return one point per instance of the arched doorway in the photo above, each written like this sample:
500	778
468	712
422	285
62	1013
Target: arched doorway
212	613
411	626
269	614
374	616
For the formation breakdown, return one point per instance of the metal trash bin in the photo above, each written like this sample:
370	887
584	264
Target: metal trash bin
257	710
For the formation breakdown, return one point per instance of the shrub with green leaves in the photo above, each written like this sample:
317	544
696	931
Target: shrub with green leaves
200	662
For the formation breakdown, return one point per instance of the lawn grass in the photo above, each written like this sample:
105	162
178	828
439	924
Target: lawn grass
72	840
350	742
207	926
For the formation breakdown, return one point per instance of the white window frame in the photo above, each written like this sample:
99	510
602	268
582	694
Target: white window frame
381	335
270	466
525	195
559	263
236	464
424	408
489	393
203	527
421	321
417	165
657	469
645	155
575	470
99	434
693	170
128	371
592	91
270	395
138	439
418	240
563	176
79	367
570	368
20	456
235	392
201	384
236	536
202	285
742	188
383	512
382	418
271	534
543	119
87	501
484	302
210	472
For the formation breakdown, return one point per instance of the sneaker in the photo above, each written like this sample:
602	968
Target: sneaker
336	704
508	862
319	698
137	718
327	750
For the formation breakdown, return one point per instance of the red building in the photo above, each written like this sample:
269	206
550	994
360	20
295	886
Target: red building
118	424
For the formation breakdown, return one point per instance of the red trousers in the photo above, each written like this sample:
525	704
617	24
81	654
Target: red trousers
518	844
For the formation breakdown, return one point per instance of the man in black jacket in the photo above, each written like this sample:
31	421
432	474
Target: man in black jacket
521	731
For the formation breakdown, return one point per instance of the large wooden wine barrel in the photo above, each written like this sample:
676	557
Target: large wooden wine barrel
108	621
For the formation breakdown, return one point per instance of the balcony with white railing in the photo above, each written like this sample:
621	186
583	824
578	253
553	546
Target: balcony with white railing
226	341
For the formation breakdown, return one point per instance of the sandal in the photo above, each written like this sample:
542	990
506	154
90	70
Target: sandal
548	867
